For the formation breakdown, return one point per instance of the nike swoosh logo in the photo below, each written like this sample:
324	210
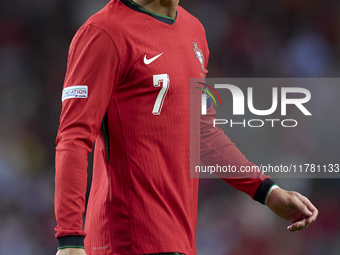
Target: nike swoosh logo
149	61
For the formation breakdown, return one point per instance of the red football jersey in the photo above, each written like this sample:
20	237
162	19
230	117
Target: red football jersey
127	88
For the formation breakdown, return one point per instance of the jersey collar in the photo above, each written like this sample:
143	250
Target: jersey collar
132	5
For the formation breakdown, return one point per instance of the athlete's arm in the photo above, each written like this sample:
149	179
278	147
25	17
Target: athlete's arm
216	148
91	70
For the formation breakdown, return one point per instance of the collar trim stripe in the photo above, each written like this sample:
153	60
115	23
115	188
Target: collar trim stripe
132	5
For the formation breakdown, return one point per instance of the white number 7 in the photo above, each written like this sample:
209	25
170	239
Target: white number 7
158	81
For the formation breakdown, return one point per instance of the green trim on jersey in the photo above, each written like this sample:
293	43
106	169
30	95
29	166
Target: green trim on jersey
70	246
153	13
265	197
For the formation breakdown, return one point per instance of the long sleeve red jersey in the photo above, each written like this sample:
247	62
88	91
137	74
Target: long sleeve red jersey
127	88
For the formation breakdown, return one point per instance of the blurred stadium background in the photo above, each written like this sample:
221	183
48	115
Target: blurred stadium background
247	38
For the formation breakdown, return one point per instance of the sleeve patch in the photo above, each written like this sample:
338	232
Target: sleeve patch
79	91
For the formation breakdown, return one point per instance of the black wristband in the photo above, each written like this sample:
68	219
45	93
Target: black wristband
262	190
74	241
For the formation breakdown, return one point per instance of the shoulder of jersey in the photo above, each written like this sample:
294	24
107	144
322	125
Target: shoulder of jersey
112	15
189	19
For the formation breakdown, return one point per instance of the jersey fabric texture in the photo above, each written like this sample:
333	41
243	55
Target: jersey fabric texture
137	68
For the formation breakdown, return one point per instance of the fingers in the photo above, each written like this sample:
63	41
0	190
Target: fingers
302	204
314	211
298	225
311	208
309	212
314	215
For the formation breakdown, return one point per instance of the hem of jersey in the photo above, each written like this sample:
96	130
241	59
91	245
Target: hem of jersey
165	249
136	7
167	253
162	253
181	252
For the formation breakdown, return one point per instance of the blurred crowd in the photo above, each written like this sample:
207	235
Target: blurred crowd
247	38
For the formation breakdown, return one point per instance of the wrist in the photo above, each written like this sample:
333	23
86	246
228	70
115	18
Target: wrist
272	188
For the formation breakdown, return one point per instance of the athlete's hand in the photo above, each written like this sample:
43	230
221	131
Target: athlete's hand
71	251
292	206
